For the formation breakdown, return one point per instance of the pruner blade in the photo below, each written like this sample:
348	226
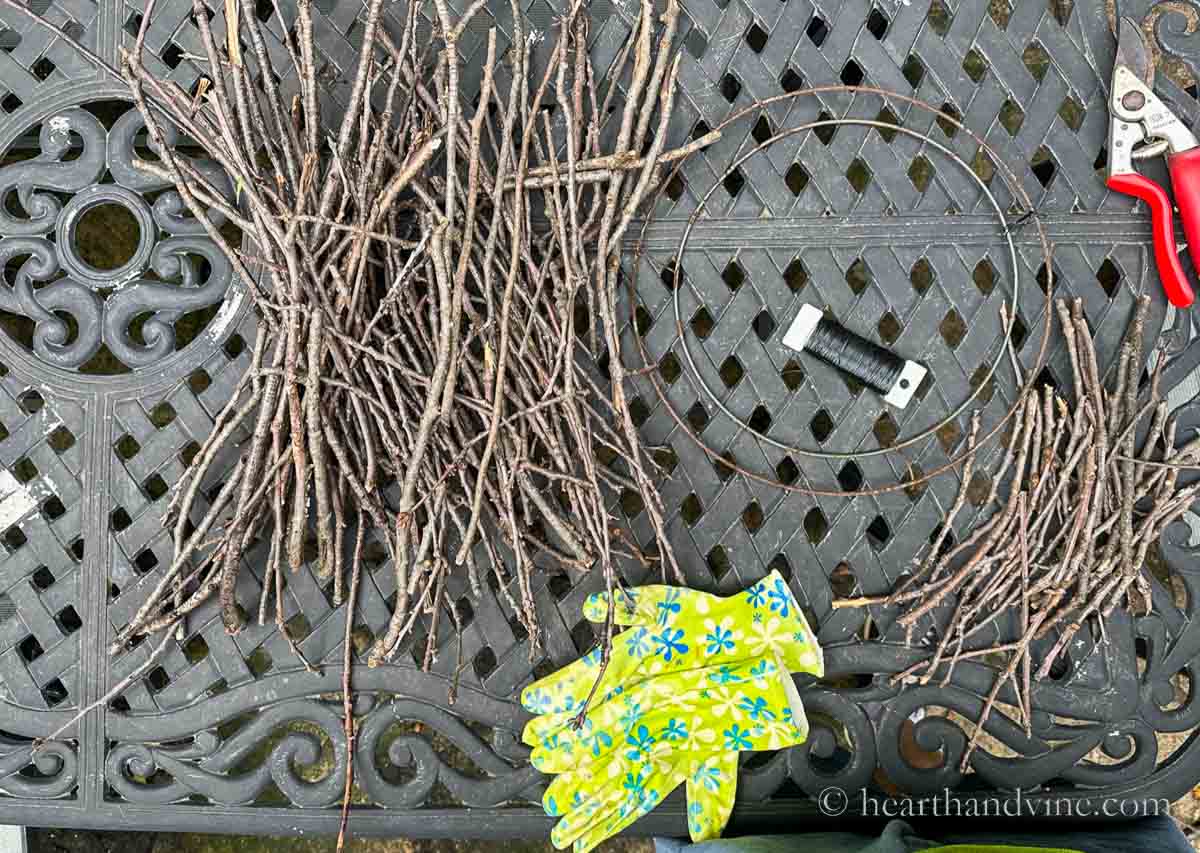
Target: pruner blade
1133	52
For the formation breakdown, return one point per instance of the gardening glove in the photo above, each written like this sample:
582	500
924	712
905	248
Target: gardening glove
633	750
672	629
695	679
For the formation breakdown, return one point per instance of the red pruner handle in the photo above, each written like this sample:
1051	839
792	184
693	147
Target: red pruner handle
1166	256
1185	183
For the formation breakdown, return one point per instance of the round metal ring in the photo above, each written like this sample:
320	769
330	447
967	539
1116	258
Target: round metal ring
900	443
959	458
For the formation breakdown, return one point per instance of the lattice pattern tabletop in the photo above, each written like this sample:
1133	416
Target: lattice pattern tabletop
101	410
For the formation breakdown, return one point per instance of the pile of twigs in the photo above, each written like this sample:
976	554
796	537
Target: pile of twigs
430	365
1075	505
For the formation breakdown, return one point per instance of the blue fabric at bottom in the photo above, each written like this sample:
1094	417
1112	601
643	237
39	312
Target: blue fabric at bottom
1158	834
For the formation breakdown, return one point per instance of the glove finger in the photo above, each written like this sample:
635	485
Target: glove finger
678	690
655	732
635	805
614	822
589	783
711	788
584	816
631	784
557	697
655	605
753	705
583	783
608	726
563	692
634	606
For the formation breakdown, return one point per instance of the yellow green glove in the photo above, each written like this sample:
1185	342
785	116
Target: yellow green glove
673	629
635	749
694	680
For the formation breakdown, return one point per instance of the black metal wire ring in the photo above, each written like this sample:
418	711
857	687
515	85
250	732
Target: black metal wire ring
1013	184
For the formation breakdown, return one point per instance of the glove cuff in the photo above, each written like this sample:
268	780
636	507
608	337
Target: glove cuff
798	717
796	648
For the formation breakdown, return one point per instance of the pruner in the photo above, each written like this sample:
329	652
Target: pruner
1141	126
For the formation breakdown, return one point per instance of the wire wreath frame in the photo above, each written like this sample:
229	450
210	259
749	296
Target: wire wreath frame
953	462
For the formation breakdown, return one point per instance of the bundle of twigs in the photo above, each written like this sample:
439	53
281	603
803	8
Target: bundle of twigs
1081	493
430	363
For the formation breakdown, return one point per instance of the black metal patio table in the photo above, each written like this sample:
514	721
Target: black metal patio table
233	734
